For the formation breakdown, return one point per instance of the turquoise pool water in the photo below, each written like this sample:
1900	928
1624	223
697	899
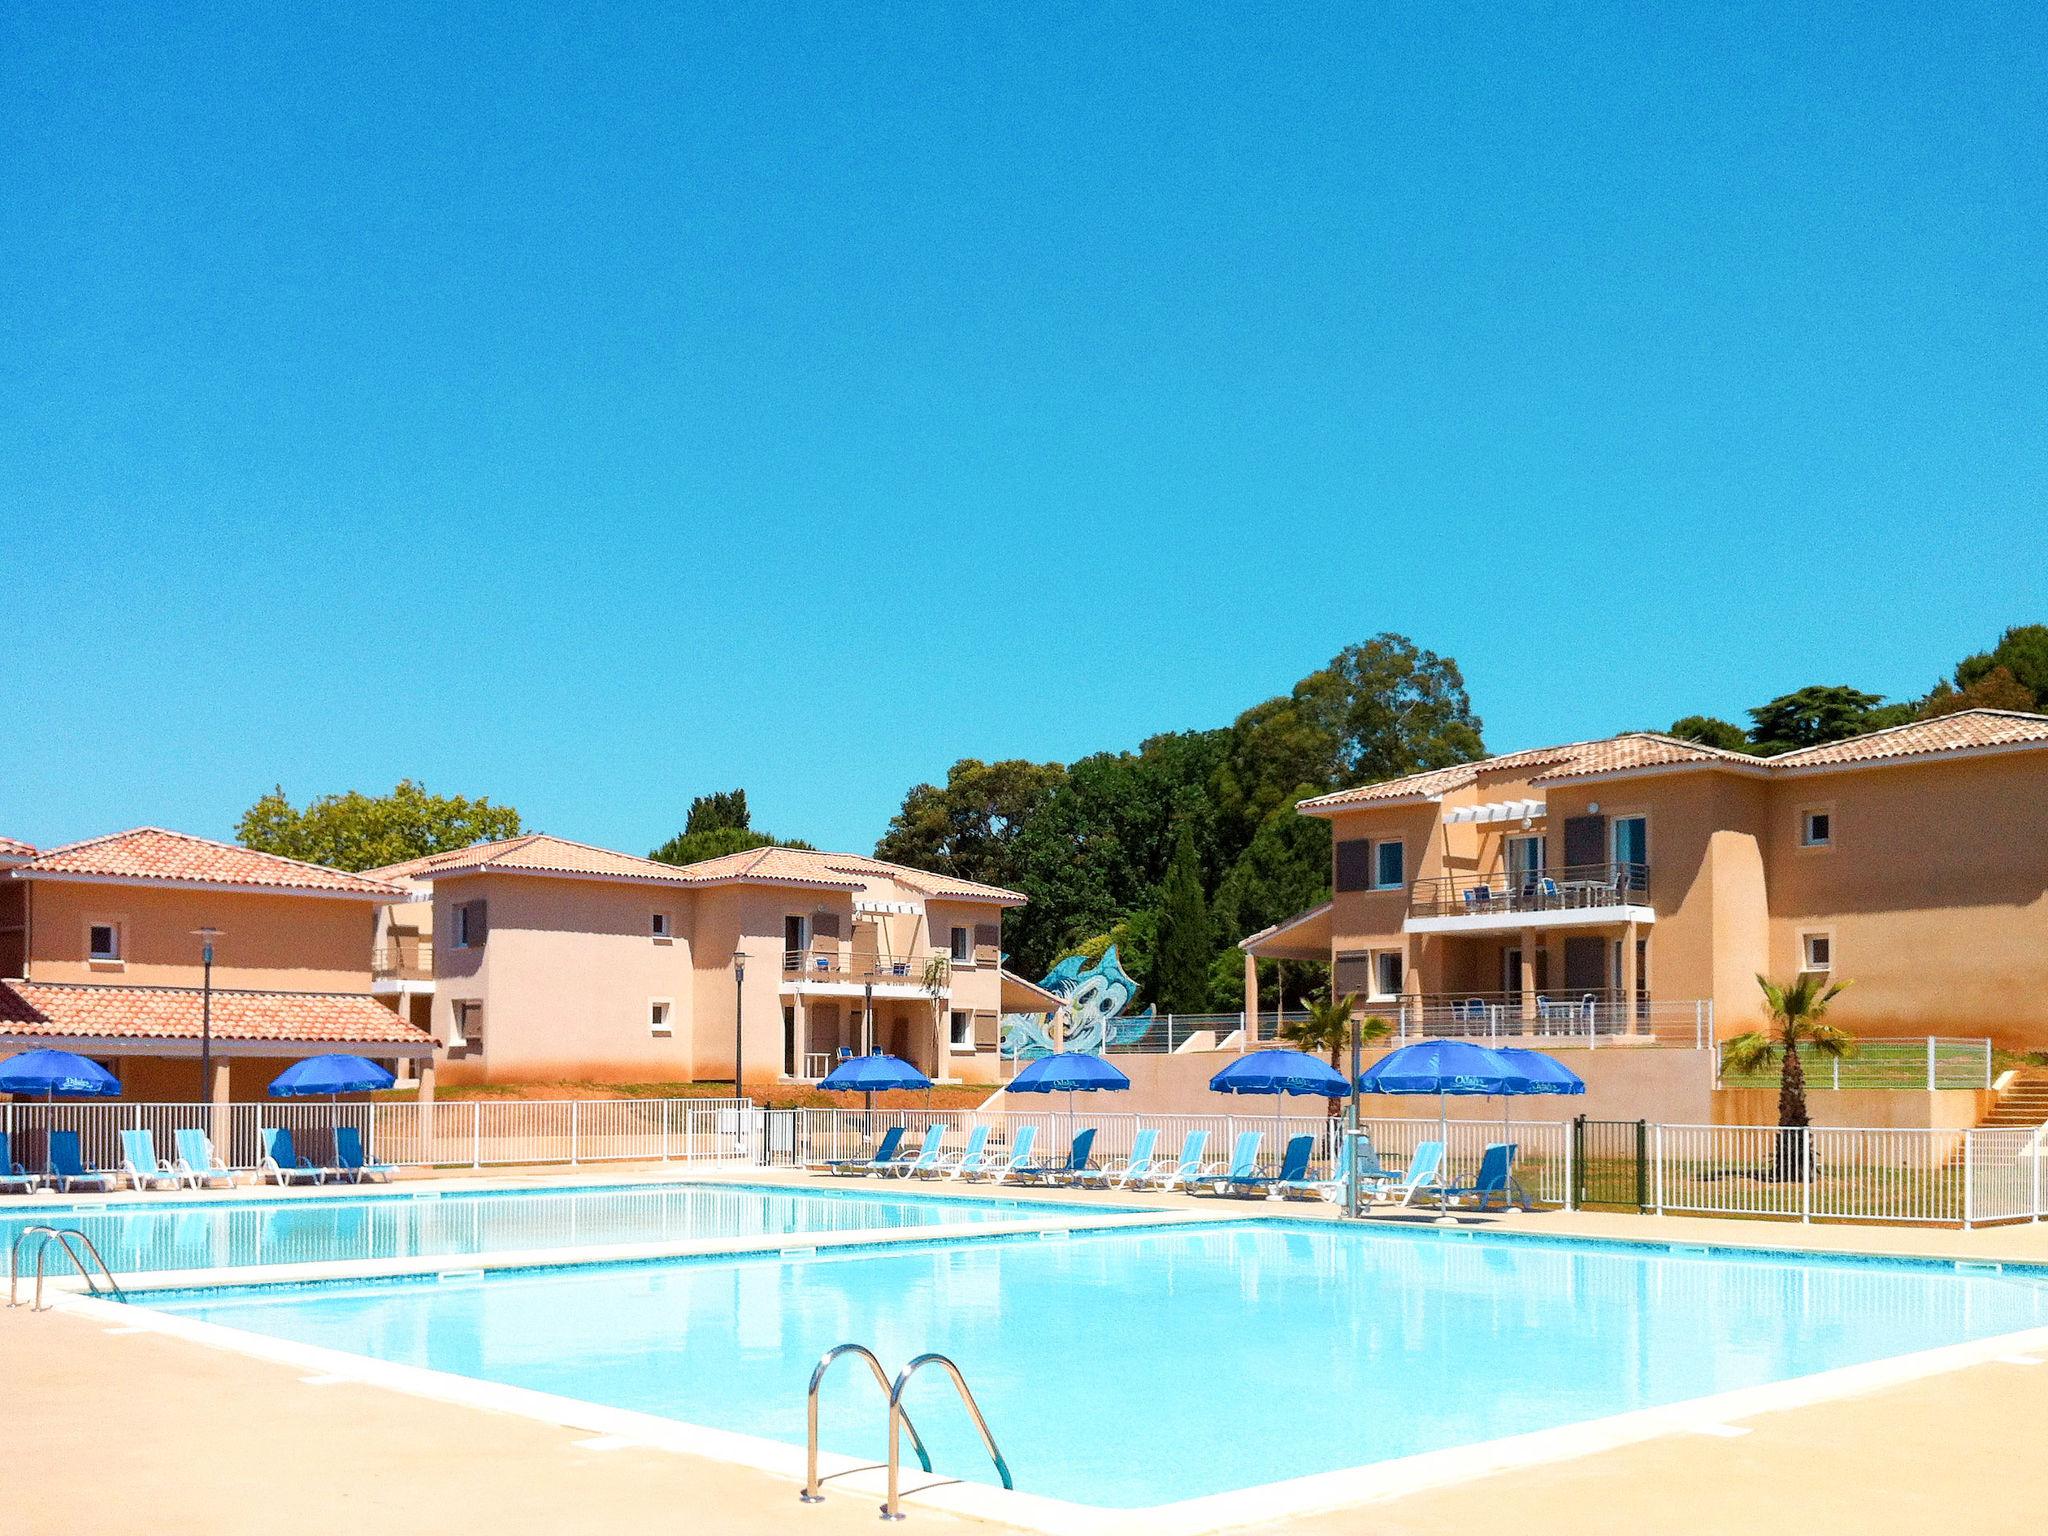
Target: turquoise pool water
148	1235
1134	1369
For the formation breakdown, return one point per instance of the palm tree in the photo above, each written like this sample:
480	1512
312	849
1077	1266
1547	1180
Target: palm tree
1798	1018
1328	1028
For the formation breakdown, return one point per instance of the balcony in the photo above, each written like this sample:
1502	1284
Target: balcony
902	975
1577	895
403	960
1596	1017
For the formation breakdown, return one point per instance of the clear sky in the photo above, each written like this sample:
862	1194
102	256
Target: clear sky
595	409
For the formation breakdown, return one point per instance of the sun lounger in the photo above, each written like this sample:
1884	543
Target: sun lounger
1187	1167
1134	1169
1293	1168
281	1160
1243	1164
142	1167
1333	1189
1053	1173
959	1165
1421	1174
1019	1159
197	1161
883	1155
925	1159
12	1175
349	1162
1496	1171
68	1165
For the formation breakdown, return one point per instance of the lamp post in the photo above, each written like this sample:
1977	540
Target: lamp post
1351	1124
206	936
739	1019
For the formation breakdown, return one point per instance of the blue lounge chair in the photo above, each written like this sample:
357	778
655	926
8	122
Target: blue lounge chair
349	1162
198	1162
1496	1173
12	1174
1244	1162
1421	1174
881	1157
281	1160
925	1159
1185	1168
1053	1173
1019	1158
1294	1160
140	1164
68	1165
1134	1169
963	1164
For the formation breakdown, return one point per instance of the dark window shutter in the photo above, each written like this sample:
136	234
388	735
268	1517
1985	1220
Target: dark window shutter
988	942
825	925
1351	976
1585	964
987	1031
479	923
1354	865
1585	839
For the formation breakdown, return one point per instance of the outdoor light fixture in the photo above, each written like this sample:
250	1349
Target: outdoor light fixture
206	936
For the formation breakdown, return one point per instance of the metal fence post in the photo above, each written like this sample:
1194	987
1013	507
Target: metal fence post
1657	1163
1930	1063
476	1134
575	1130
2034	1205
1806	1173
1969	1179
1571	1164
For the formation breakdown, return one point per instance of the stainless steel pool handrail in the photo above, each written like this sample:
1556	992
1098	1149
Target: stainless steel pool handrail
62	1237
890	1511
811	1495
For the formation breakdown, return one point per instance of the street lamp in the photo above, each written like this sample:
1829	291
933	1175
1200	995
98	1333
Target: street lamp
739	1017
206	936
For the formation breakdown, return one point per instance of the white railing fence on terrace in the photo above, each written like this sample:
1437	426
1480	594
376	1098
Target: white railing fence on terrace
1905	1062
450	1133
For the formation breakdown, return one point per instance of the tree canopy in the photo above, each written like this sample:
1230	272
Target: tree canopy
355	831
718	824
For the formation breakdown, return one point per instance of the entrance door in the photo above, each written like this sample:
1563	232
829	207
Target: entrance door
796	936
1525	862
1585	965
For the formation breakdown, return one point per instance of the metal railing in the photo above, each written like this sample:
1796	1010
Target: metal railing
910	970
1901	1064
1571	888
811	1492
412	959
472	1133
892	1510
64	1238
1586	1017
1171	1032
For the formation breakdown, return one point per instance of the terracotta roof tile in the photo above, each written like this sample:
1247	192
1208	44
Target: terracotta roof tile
1966	730
538	853
43	1008
151	853
1641	749
15	848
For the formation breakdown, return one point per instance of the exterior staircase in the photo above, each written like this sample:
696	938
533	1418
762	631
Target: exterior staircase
2024	1103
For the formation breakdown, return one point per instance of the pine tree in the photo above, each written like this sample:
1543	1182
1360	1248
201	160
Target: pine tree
1180	969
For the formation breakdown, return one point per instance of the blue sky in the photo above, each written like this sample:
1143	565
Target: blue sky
595	410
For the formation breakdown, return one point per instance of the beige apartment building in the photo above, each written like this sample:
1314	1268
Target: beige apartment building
102	952
1635	887
537	958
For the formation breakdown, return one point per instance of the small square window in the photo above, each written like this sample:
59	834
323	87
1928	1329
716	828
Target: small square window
962	1027
103	941
460	938
1818	951
1816	829
468	1037
1386	973
963	946
658	1014
657	925
1389	865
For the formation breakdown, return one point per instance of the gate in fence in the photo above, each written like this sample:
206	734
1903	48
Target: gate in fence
1611	1163
782	1138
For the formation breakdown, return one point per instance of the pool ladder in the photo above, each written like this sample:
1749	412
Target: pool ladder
899	1419
63	1238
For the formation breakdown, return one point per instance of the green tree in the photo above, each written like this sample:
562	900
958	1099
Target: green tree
1394	709
356	831
2022	651
1327	1028
718	824
1180	970
1810	717
1711	732
1995	689
1798	1021
970	827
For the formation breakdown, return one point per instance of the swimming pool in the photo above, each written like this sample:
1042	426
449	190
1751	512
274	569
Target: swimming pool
208	1234
1132	1369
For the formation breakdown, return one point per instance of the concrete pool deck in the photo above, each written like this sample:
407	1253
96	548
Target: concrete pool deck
205	1439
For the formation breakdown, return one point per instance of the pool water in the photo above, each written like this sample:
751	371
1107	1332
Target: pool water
213	1234
1138	1368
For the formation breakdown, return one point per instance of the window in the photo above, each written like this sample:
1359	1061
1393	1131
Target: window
1632	849
659	1011
1817	951
1354	865
103	941
962	1024
657	927
468	1037
1816	829
1386	973
1389	865
470	925
1525	860
963	946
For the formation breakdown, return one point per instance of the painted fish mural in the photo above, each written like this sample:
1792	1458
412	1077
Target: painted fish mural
1094	1001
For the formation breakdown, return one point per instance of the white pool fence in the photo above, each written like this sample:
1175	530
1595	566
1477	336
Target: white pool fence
1941	1177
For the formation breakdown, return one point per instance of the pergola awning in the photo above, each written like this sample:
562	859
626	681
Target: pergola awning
1496	810
1305	936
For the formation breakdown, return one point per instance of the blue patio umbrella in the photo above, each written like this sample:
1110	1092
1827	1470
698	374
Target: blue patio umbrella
1070	1072
1276	1072
57	1074
871	1075
335	1074
1546	1074
1448	1069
